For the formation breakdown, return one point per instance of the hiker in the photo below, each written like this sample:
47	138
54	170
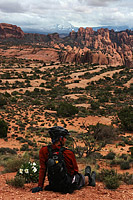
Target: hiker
61	165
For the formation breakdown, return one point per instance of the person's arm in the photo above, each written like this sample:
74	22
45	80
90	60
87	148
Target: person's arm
42	171
71	162
75	166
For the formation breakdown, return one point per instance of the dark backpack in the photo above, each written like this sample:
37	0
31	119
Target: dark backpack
59	180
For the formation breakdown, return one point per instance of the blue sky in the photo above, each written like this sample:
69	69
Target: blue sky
37	14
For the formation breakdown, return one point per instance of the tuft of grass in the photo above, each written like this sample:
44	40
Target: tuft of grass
17	182
13	163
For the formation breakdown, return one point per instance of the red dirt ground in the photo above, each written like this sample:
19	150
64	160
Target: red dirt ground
124	192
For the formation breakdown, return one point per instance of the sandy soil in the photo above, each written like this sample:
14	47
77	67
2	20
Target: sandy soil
124	192
83	82
7	192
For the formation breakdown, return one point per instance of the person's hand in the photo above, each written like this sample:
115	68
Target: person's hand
36	189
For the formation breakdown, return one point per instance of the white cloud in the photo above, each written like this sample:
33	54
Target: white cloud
99	3
38	14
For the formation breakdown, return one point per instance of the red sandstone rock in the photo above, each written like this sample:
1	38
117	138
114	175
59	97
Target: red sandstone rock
8	30
99	47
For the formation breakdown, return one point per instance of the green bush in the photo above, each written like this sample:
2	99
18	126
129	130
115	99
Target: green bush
125	165
7	151
131	150
110	155
111	182
3	129
24	147
127	178
13	164
94	105
110	178
3	101
126	118
66	110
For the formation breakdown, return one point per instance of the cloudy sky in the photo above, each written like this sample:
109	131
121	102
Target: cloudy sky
37	14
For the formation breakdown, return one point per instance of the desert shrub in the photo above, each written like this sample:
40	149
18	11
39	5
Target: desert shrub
124	156
125	165
126	118
127	178
31	143
127	140
4	151
12	164
3	100
121	144
16	182
21	139
110	155
24	147
94	105
66	110
89	143
104	132
110	178
3	129
36	102
131	150
111	182
104	173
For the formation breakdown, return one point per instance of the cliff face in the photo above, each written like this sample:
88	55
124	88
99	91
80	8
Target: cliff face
97	47
102	47
8	30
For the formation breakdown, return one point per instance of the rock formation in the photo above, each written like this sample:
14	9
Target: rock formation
8	30
97	47
105	47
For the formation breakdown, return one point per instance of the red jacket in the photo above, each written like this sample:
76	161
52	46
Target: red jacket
69	158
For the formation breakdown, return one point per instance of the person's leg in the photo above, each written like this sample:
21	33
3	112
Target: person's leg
91	177
86	180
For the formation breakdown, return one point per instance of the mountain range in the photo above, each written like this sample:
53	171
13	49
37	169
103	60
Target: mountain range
66	28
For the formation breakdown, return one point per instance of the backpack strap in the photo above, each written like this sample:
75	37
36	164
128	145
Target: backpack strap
50	151
61	150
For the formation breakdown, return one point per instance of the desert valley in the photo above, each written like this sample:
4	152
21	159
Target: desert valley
82	82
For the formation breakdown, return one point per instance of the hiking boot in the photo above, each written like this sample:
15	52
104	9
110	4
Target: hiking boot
88	172
93	179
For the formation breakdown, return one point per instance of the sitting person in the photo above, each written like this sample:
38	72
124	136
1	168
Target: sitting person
61	165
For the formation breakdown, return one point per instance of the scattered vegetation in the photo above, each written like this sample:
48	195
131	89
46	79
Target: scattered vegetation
110	178
17	182
3	129
27	111
126	118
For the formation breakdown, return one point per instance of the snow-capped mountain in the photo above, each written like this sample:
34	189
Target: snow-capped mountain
66	28
58	28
